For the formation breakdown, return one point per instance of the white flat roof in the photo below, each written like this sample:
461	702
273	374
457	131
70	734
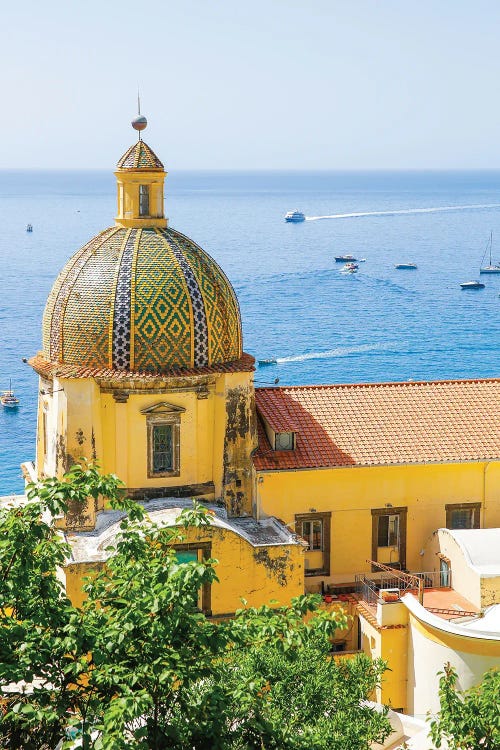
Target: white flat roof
481	548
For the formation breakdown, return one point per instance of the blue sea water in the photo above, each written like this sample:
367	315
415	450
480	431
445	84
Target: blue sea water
323	326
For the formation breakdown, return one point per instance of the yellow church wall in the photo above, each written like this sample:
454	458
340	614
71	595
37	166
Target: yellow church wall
72	424
257	574
260	575
218	431
240	440
351	493
85	420
126	439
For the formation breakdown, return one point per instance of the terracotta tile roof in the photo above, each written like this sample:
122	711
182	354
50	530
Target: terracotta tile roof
53	369
446	603
381	423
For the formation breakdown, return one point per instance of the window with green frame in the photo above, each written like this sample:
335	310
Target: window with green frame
162	448
186	554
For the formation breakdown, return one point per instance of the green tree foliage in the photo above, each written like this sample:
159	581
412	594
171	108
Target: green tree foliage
140	667
470	720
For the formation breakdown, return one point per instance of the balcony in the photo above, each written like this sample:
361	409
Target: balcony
376	587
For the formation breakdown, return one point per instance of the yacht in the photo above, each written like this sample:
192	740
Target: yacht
8	399
295	216
491	267
345	259
406	266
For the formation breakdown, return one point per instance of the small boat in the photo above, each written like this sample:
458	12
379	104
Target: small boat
491	267
350	268
8	399
295	216
266	362
29	227
345	258
472	285
406	266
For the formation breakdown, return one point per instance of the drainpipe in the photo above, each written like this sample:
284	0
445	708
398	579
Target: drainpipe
484	492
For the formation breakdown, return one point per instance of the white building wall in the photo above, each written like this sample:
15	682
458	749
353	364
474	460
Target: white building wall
427	657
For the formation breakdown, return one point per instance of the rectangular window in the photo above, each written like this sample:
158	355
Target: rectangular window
186	553
284	441
312	533
143	200
389	536
163	445
162	448
388	531
314	528
463	515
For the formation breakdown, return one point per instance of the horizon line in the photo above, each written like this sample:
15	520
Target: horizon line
270	170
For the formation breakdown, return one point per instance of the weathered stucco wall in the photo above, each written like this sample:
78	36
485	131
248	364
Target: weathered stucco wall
257	574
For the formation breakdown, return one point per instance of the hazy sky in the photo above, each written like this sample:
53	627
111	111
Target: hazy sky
227	84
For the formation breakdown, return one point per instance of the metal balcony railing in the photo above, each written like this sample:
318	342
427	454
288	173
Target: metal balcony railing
368	587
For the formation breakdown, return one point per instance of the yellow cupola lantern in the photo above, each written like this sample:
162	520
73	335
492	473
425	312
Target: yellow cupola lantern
140	177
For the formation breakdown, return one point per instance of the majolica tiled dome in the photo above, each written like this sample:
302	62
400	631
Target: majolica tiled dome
142	300
140	156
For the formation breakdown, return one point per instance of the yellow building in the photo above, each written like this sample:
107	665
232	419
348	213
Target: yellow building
313	488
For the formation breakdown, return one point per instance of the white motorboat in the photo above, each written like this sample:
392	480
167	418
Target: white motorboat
295	216
472	285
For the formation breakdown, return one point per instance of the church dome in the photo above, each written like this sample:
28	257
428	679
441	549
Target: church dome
141	299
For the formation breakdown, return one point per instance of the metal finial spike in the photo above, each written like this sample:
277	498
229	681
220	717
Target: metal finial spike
139	123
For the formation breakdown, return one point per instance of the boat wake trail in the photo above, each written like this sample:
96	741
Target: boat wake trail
403	211
341	351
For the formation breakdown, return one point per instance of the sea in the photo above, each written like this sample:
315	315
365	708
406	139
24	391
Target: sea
321	325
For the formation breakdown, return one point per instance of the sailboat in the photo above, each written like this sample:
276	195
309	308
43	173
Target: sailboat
8	399
491	267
